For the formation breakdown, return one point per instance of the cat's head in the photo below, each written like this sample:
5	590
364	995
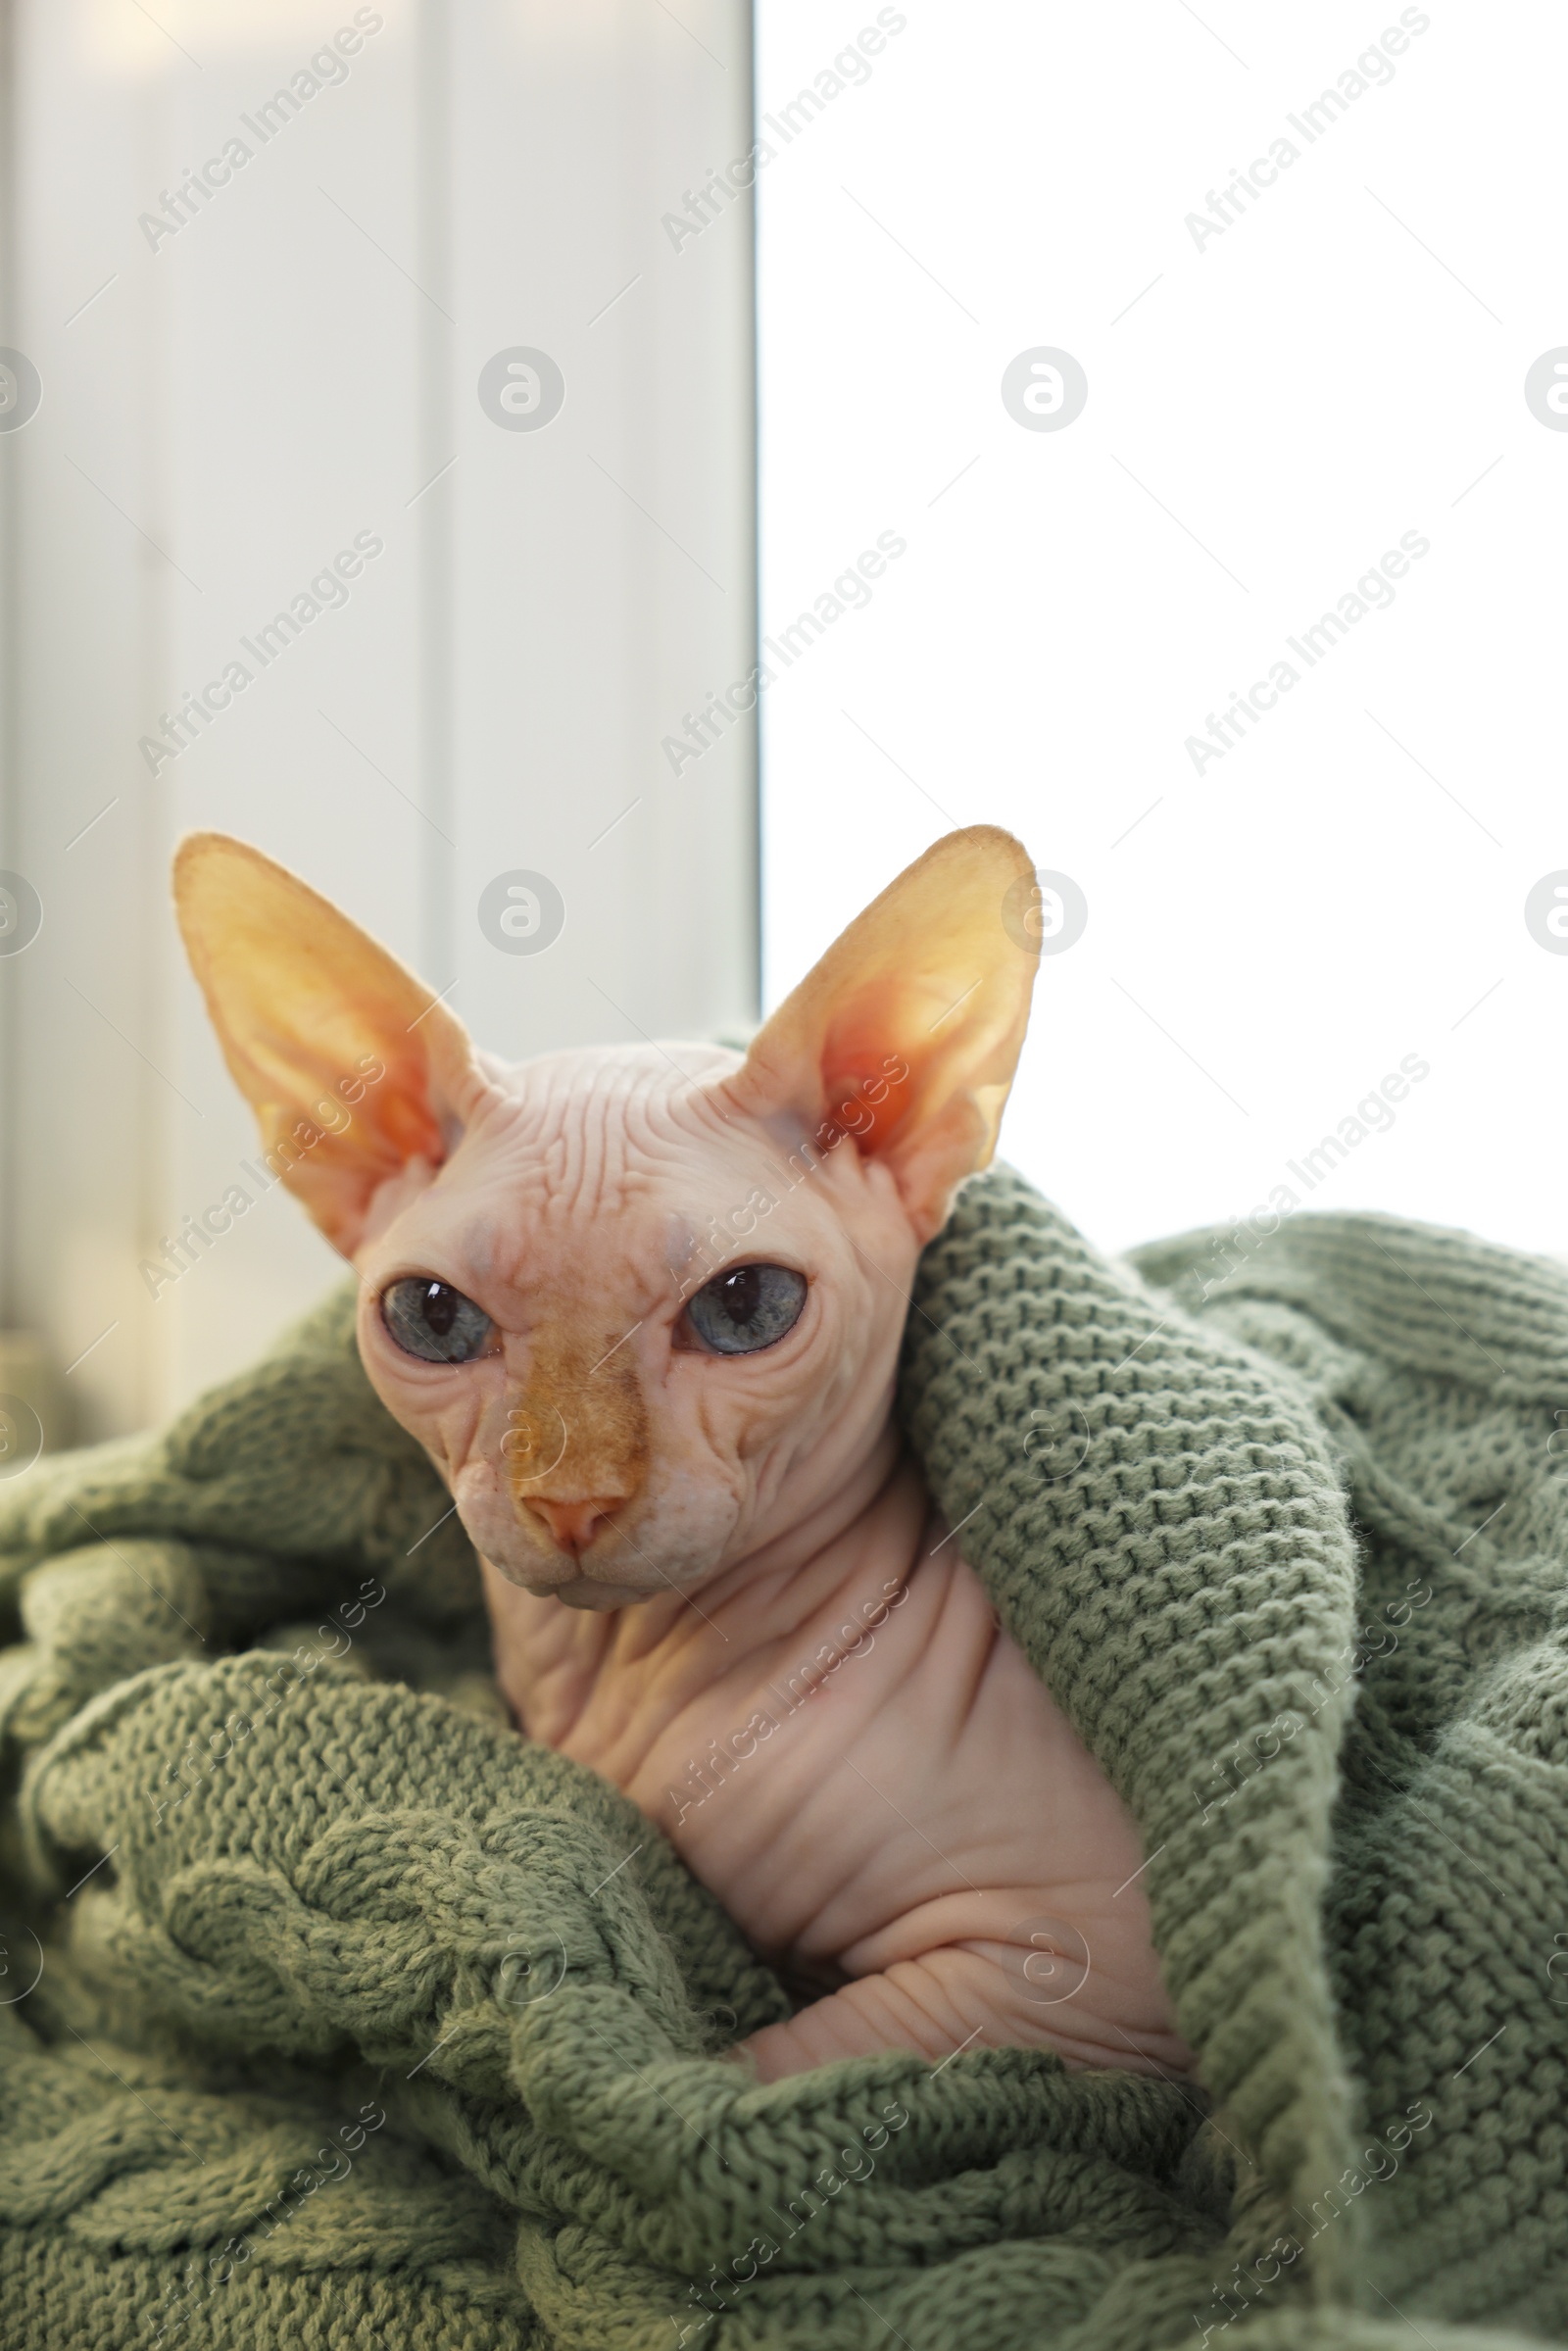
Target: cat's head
641	1305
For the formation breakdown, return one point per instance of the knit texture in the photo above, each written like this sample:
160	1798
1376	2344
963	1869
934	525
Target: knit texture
335	2013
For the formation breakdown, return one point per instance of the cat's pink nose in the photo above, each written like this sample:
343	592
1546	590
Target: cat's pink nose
574	1525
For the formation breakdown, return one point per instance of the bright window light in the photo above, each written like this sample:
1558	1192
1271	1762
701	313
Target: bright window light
1259	646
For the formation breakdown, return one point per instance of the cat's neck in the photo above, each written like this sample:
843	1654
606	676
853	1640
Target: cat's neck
858	1548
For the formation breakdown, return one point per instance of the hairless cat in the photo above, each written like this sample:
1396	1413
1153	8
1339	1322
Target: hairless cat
642	1308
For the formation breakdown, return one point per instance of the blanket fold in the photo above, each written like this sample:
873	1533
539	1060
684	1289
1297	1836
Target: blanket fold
335	2012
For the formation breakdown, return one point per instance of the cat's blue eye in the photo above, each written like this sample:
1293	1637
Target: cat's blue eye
435	1322
753	1307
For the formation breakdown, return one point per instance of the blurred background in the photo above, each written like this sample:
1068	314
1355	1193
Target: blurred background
1142	428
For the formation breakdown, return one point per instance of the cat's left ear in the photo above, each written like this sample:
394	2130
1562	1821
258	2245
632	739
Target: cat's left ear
906	1034
353	1067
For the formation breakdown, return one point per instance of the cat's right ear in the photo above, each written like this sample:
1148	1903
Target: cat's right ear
907	1032
353	1067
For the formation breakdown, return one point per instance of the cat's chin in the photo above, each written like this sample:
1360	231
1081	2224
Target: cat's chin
586	1593
580	1585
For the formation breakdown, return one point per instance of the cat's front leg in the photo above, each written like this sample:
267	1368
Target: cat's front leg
965	1996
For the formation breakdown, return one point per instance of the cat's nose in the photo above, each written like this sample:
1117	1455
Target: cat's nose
574	1525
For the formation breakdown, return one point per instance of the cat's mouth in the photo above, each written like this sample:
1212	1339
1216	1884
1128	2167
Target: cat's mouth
605	1553
577	1584
613	1574
601	1571
586	1591
620	1544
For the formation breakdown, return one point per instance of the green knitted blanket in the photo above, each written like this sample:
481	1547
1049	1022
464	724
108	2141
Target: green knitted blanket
332	2013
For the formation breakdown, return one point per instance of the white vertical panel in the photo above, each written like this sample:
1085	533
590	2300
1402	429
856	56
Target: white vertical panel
298	365
603	573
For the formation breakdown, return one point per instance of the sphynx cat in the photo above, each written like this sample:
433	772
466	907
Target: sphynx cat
642	1306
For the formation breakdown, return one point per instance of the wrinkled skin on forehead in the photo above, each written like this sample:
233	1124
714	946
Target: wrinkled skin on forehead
590	1195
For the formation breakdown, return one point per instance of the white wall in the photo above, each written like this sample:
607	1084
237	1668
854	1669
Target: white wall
222	411
1269	409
